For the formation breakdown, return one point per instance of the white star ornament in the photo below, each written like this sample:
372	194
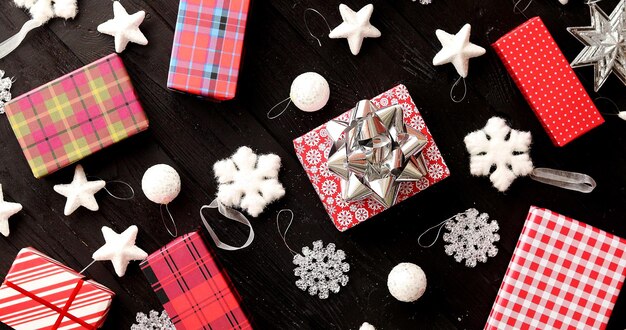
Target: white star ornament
80	192
120	249
124	28
7	209
457	49
355	27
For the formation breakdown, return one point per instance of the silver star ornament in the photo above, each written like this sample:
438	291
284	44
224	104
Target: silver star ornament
374	152
605	44
355	27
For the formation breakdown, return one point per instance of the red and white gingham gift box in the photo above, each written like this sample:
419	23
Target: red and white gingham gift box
564	274
313	148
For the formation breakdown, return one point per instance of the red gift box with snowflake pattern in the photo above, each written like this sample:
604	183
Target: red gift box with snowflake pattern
313	149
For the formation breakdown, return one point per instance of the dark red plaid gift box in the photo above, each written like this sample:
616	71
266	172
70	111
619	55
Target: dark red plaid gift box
76	115
208	43
564	274
313	148
547	81
194	289
41	293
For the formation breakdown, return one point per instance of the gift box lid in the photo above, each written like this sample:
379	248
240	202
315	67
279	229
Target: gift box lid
76	115
313	148
564	274
547	81
41	293
208	46
194	289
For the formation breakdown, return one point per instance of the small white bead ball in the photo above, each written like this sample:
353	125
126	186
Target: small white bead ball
406	282
309	92
366	326
161	184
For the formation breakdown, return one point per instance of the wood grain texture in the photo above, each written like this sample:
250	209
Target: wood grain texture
191	134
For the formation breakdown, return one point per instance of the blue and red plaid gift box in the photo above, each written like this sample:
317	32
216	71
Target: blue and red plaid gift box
208	43
194	289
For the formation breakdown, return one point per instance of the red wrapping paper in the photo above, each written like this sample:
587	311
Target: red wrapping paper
312	150
564	274
547	81
41	293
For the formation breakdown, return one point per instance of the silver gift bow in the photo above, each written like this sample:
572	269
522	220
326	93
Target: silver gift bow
374	152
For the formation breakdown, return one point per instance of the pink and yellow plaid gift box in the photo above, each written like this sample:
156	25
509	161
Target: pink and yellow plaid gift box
208	42
76	115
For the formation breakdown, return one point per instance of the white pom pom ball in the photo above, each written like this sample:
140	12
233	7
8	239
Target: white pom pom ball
309	92
161	184
406	282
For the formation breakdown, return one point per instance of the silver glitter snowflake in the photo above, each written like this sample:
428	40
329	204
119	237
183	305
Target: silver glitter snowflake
321	270
5	90
424	2
153	321
471	237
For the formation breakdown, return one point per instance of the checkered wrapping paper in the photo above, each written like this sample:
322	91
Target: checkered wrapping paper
194	290
564	274
76	115
208	42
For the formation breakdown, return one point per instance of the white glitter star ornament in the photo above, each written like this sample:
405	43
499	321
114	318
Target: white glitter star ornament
355	27
120	249
124	27
321	269
604	43
7	209
80	192
457	49
471	237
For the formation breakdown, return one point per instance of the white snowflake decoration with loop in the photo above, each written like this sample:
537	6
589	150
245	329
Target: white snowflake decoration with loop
321	270
153	321
5	90
248	181
470	235
499	152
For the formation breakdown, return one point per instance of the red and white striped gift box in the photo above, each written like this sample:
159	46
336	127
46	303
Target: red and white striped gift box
41	293
564	274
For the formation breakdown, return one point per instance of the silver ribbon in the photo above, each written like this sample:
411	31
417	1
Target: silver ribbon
231	214
9	45
564	179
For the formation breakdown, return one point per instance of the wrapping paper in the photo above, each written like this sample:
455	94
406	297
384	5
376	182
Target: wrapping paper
313	148
564	274
41	293
193	288
76	115
547	81
208	42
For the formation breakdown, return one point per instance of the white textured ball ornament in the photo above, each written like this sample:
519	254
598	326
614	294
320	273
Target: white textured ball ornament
309	92
406	282
161	184
367	326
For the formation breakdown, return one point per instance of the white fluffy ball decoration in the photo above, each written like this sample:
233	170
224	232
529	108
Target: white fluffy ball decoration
161	184
406	282
65	8
366	326
309	92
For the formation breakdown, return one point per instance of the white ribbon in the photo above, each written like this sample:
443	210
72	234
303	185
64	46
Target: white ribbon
564	179
231	214
10	44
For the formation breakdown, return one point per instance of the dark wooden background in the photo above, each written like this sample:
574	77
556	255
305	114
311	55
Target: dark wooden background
191	134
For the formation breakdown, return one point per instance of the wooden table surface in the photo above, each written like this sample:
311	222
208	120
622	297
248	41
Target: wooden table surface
191	134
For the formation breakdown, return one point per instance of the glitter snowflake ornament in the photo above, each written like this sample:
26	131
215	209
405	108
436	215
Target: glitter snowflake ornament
499	152
153	321
248	181
471	237
321	269
5	90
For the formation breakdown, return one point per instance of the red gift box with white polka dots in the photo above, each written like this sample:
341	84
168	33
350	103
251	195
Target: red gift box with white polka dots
547	81
313	148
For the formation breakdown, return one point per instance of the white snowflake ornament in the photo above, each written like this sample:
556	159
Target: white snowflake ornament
499	152
248	181
153	321
471	237
321	269
5	90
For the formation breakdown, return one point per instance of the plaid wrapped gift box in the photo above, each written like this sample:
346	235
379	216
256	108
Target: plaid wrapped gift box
194	289
76	115
312	150
564	274
41	293
208	42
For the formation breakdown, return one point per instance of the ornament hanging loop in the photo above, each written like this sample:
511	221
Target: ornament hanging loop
231	214
122	198
269	113
439	226
9	45
175	233
621	114
563	179
283	234
306	24
456	83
